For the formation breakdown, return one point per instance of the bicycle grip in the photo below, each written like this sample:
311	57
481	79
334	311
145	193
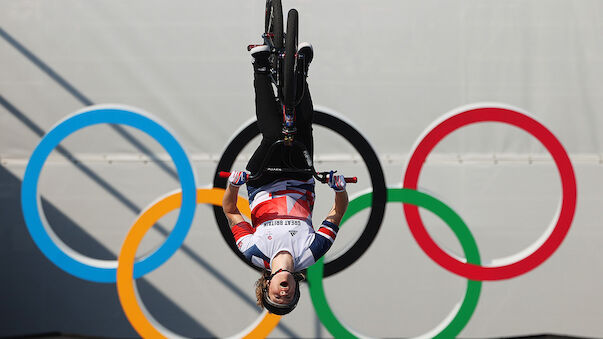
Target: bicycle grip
351	179
224	174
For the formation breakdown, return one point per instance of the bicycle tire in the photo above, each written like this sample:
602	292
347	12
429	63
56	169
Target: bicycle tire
273	22
289	79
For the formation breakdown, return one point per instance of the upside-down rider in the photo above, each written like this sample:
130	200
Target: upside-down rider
281	239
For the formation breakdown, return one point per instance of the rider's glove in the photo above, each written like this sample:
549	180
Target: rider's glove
238	178
336	182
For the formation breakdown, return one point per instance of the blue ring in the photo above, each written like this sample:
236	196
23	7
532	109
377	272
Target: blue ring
30	202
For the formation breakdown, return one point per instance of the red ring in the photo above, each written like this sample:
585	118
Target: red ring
568	184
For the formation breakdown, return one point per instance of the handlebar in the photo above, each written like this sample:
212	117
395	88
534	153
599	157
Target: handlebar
225	175
353	180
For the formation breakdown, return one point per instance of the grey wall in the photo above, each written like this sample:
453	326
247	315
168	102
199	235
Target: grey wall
391	68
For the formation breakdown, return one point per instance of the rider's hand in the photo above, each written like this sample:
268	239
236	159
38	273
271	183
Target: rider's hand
238	178
336	182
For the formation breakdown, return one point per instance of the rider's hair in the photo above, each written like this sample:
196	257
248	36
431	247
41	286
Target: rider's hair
260	284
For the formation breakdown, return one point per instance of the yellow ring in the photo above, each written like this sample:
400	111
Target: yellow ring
142	321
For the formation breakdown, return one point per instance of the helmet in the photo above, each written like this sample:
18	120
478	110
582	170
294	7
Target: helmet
281	309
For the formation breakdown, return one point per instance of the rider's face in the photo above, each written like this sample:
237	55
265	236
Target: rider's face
282	288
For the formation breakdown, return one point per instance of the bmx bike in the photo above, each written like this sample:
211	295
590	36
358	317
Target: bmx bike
286	65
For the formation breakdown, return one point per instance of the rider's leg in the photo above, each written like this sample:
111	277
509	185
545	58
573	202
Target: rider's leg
304	117
269	120
305	109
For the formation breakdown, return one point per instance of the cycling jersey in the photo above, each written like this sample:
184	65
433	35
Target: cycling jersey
282	199
281	213
261	244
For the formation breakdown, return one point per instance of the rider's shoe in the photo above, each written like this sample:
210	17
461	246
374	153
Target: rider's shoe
305	52
261	62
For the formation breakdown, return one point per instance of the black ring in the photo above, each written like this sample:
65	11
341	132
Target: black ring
369	157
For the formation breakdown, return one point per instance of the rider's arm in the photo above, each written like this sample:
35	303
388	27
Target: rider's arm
242	231
229	201
229	205
327	232
339	208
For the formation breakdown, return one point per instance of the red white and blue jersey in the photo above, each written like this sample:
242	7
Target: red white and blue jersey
281	213
282	199
261	244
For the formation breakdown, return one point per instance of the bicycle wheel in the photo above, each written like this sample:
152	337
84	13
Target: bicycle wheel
289	81
273	25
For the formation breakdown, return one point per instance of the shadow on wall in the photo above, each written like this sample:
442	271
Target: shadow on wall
31	285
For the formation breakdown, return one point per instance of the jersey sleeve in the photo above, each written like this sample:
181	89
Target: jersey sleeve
325	236
242	233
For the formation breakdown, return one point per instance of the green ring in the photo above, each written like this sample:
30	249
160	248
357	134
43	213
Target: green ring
408	196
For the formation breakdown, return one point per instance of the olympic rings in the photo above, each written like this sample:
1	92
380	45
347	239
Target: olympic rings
124	270
450	327
549	241
353	136
51	245
138	316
